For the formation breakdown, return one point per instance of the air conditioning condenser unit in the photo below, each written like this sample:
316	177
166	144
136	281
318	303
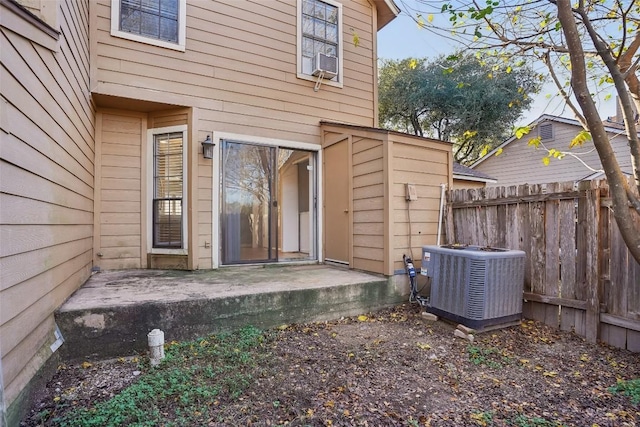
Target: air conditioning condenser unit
325	66
479	287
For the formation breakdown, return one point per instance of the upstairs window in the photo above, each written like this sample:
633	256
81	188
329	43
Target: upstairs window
319	31
157	22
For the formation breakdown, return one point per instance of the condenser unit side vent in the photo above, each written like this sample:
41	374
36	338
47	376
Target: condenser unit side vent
478	287
477	280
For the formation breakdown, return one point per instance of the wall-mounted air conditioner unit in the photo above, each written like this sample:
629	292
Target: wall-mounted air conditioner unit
478	287
325	66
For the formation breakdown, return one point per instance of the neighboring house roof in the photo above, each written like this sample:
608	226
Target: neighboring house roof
599	175
614	128
387	11
466	173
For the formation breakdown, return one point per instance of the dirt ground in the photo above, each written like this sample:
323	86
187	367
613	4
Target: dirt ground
395	367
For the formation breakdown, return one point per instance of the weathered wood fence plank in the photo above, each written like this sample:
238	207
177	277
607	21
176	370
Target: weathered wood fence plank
579	275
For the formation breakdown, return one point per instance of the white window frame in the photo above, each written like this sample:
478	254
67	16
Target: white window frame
182	28
151	133
339	80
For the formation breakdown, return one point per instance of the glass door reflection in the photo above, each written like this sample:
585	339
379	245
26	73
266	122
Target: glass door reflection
248	203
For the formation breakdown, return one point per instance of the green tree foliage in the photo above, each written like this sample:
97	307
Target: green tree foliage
470	101
588	46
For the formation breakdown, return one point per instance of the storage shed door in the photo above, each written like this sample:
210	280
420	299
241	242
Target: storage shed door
336	202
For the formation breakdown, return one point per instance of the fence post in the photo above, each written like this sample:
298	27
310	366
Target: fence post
592	321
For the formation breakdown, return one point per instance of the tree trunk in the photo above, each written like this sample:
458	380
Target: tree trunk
617	181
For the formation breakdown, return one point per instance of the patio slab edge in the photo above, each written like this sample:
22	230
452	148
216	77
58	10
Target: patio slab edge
107	332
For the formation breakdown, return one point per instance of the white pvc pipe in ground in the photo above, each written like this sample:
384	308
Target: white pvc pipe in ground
156	346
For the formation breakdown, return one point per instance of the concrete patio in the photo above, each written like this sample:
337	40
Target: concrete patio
112	313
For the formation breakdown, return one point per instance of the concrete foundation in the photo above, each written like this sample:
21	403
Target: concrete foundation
113	312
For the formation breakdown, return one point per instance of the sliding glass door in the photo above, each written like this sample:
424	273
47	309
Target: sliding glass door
248	198
268	204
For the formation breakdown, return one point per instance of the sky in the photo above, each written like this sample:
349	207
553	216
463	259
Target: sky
402	38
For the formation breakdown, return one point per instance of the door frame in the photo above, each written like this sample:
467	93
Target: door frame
216	177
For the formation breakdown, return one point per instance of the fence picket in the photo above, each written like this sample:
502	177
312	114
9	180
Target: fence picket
578	274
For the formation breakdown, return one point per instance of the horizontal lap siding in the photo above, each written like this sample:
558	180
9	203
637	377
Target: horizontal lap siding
239	73
46	188
119	219
426	167
521	163
368	205
240	69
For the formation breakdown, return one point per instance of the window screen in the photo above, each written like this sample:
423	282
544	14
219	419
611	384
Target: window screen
167	190
157	19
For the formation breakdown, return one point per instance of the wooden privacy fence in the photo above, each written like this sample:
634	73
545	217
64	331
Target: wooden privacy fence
579	275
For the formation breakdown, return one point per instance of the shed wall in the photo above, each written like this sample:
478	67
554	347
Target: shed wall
415	223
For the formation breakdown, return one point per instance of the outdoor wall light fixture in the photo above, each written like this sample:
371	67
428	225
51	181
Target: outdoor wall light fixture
207	147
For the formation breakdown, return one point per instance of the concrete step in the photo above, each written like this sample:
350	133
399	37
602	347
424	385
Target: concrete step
113	312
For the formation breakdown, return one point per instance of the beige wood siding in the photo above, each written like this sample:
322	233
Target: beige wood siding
463	183
239	69
121	177
368	204
46	186
119	202
521	163
382	163
426	165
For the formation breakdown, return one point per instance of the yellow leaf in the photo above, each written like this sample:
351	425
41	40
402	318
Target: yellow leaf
580	139
413	63
546	160
351	355
550	374
423	346
484	151
86	365
534	141
522	131
283	327
362	318
309	412
356	39
56	399
499	151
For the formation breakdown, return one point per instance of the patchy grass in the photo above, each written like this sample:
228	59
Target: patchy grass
183	388
630	388
390	368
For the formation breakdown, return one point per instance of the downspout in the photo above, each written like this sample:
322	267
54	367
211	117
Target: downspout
442	189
